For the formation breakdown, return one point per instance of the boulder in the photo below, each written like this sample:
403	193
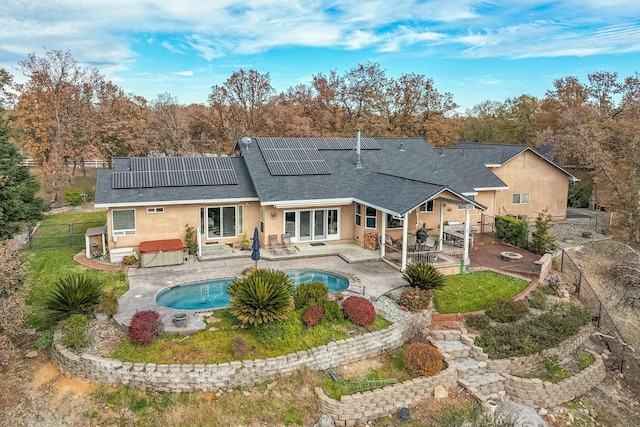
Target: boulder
439	392
325	421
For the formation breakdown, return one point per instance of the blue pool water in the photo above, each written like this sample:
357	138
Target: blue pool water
212	294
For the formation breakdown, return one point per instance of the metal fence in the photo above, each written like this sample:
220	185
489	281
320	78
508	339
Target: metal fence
622	358
57	236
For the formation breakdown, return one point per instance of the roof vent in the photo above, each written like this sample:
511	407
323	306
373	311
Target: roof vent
246	141
402	146
358	143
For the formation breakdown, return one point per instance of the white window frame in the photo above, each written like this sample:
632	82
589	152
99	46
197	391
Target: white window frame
394	223
373	217
158	209
124	231
520	196
220	231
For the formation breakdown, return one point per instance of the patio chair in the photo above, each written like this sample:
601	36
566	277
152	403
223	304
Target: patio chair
274	247
287	244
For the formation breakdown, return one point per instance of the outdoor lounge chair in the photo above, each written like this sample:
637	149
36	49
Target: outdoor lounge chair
274	246
287	244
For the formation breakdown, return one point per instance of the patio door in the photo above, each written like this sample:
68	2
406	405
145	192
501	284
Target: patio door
312	224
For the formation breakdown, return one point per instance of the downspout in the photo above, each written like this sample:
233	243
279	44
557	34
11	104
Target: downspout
383	249
405	227
441	229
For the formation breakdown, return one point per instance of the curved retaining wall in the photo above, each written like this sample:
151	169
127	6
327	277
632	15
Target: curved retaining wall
543	394
381	402
178	378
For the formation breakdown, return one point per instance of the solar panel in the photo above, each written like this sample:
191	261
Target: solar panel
292	156
147	172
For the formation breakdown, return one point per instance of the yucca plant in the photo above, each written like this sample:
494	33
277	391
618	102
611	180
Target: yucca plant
75	294
423	275
261	296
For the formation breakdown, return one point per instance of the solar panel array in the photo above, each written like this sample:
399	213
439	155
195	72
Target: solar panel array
301	156
149	172
288	157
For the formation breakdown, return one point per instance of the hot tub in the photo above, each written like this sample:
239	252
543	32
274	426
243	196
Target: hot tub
156	253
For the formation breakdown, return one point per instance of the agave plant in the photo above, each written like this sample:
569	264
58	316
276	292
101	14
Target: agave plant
75	294
423	275
261	296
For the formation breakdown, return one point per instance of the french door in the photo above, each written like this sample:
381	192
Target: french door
312	225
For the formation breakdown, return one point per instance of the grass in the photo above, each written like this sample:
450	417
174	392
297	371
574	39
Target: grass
45	267
217	346
464	293
66	230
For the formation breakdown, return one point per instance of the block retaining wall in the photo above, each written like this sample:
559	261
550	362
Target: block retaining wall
543	394
370	405
178	378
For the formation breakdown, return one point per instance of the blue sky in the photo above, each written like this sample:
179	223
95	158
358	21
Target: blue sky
477	50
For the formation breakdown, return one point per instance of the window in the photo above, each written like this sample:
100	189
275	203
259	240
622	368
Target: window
461	207
358	214
394	222
261	220
124	222
155	210
240	219
221	222
520	198
427	207
370	214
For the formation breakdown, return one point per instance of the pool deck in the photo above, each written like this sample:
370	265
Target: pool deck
366	274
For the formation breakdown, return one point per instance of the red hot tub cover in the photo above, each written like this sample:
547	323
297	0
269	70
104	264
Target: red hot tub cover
153	246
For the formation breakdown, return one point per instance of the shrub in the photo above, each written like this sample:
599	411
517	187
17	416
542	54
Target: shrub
145	326
585	360
313	315
262	296
332	311
129	260
359	310
478	322
512	230
415	299
578	196
76	294
89	194
44	340
508	312
421	359
309	294
538	299
278	334
74	331
542	239
73	196
240	346
424	276
108	303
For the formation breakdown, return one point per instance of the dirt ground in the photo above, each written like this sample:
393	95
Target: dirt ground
34	393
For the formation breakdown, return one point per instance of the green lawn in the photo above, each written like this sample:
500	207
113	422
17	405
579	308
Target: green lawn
45	267
66	230
463	293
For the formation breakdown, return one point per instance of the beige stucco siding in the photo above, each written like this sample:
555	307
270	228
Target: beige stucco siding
528	173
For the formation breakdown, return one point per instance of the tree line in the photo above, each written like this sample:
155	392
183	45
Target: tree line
65	113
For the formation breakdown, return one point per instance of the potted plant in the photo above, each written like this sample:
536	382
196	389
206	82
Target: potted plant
245	244
107	306
180	319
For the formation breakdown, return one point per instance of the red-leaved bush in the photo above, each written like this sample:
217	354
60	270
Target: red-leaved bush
145	327
359	310
313	315
422	360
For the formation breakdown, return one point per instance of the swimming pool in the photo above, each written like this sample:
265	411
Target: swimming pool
212	294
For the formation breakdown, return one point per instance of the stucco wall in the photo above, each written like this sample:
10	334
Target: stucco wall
528	173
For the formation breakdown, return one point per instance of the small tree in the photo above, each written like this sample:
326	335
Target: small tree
13	307
190	239
75	294
261	296
542	239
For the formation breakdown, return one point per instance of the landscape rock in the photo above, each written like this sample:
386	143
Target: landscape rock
439	392
325	421
31	354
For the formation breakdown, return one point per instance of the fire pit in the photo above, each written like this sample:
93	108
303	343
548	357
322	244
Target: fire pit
511	256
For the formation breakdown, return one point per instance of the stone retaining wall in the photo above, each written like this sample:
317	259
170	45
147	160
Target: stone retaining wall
176	378
525	364
543	394
381	402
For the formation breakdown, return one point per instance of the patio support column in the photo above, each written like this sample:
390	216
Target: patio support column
441	228
465	254
383	228
405	227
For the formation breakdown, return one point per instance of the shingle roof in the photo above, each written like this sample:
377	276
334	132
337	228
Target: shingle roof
107	195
